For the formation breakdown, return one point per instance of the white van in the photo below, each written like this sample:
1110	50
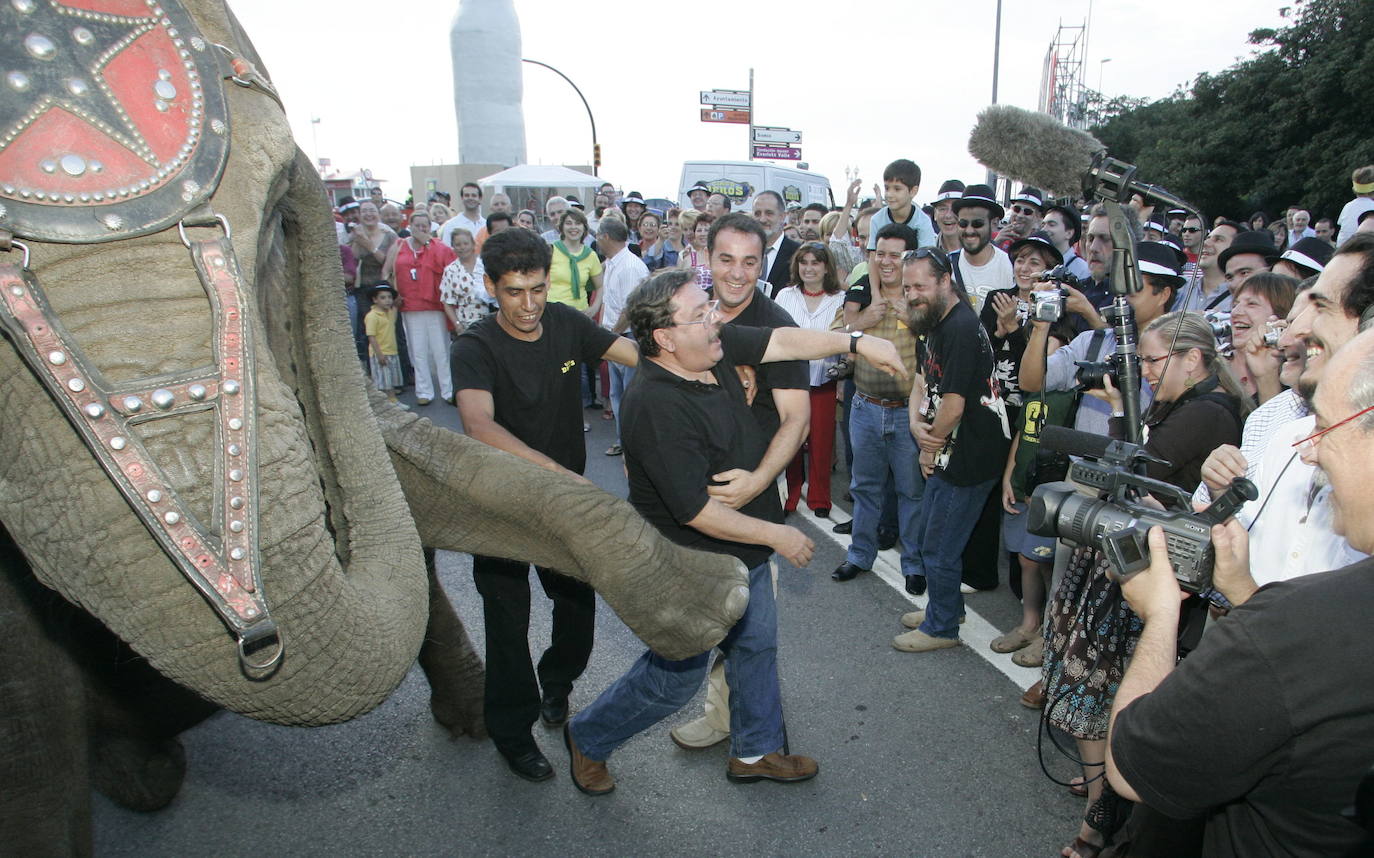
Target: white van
741	181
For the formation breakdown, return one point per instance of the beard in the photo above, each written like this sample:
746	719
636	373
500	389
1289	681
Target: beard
923	316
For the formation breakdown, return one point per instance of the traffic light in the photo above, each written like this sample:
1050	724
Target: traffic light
596	155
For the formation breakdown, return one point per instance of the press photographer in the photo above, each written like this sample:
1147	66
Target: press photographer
1268	727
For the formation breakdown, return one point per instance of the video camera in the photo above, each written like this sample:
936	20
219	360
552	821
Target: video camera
1116	521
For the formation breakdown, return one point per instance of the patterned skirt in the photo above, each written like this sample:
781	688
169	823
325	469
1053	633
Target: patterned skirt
1090	636
387	378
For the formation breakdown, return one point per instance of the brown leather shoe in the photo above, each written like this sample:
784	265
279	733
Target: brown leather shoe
588	775
1034	698
784	768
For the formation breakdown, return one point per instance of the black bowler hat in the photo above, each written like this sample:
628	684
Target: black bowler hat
1159	259
1260	241
1311	253
982	197
952	189
1041	240
1030	195
1177	244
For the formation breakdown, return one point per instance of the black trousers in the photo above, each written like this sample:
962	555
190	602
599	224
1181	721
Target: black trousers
512	694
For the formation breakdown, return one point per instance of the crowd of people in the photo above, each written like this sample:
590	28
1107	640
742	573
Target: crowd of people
742	354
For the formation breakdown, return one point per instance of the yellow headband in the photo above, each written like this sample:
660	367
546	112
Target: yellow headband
1363	189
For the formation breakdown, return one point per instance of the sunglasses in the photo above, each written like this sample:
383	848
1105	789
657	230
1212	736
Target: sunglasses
976	224
1023	210
936	256
1191	229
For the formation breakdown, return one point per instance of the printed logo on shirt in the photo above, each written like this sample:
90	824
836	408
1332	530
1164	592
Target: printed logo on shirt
568	365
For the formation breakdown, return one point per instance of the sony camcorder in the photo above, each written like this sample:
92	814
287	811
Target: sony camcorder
1116	520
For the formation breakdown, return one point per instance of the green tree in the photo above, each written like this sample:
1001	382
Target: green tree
1283	127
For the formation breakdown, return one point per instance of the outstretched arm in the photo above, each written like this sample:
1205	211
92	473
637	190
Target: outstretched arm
804	344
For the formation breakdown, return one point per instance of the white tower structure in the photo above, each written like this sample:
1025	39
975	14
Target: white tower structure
488	89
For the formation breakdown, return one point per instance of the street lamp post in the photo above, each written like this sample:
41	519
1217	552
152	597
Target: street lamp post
596	147
1101	64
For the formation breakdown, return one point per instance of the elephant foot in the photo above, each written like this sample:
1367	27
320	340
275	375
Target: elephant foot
460	715
136	773
451	664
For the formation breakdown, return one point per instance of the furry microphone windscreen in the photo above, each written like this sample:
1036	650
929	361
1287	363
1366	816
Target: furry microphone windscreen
1033	148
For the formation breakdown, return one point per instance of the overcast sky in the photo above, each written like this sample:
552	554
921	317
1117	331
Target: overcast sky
865	81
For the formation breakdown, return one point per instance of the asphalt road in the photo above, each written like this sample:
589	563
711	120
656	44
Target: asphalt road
924	755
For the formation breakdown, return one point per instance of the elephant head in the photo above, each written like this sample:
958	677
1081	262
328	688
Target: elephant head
343	478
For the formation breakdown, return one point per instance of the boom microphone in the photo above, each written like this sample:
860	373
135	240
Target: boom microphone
1033	148
1037	149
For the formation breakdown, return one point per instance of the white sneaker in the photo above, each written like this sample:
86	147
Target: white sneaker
966	589
913	619
698	734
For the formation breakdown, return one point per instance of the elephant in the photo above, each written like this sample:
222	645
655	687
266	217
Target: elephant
193	309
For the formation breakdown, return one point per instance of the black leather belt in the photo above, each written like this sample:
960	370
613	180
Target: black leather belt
884	403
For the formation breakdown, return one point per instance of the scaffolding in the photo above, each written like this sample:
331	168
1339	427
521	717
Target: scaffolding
1061	81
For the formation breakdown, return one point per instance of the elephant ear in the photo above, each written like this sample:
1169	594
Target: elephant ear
470	497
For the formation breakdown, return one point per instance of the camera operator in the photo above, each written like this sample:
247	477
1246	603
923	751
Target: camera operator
1267	727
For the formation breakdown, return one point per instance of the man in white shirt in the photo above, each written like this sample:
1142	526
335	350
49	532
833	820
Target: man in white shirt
1362	183
982	266
470	218
1292	520
622	272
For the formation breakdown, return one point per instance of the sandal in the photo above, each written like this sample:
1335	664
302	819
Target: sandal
1034	698
1013	640
1078	787
1031	656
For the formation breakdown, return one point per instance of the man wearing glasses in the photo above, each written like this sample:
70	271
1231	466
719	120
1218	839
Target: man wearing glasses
684	419
1277	703
1291	523
980	266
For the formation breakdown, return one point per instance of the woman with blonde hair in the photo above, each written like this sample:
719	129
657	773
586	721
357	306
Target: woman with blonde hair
1092	632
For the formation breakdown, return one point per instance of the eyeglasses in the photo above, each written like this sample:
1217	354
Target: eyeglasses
708	315
936	256
1152	360
1191	229
1023	210
976	224
1310	441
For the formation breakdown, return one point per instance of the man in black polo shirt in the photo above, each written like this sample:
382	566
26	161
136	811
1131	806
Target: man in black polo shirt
516	375
683	420
961	430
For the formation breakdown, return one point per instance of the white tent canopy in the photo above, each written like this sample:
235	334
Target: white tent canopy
529	186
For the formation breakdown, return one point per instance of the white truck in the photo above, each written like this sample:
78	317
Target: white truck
741	181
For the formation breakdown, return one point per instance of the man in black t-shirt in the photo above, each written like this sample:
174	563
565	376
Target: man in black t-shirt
684	420
781	403
516	375
962	432
1267	728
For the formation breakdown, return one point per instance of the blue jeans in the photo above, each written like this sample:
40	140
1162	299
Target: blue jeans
654	687
884	452
620	380
948	514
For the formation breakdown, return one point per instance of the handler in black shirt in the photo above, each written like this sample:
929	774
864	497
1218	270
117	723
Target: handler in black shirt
516	375
961	429
685	419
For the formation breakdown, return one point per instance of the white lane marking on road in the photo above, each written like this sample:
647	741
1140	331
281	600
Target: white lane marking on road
976	633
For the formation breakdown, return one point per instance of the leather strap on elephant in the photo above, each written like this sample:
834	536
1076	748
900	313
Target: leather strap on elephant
113	124
221	561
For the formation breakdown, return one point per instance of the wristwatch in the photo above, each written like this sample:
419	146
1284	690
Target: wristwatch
854	337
